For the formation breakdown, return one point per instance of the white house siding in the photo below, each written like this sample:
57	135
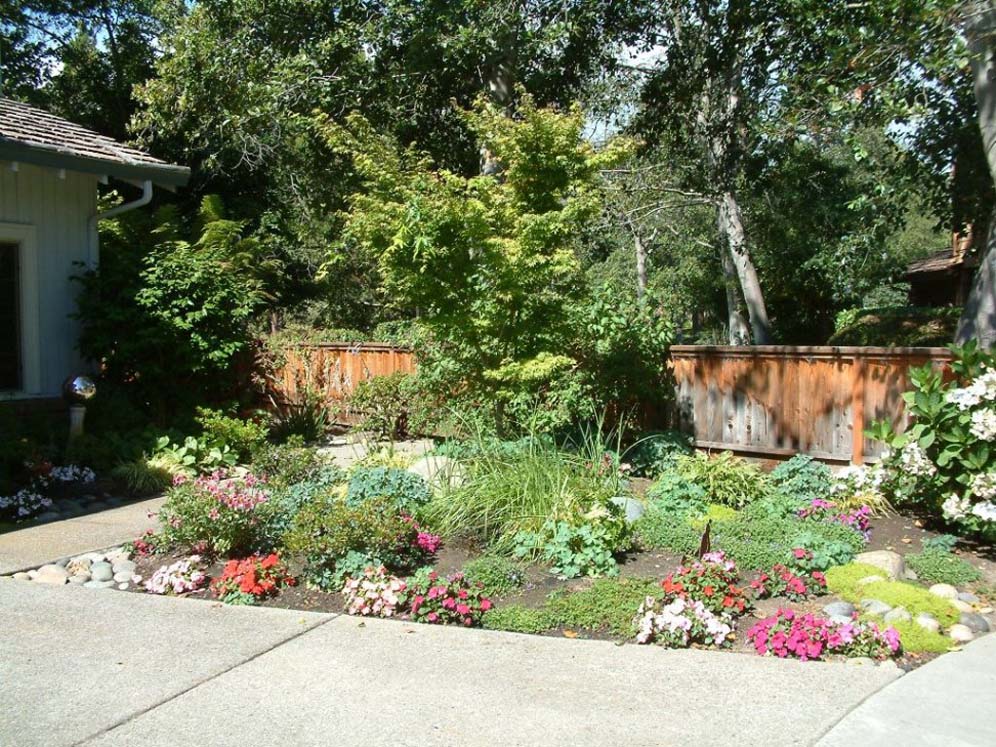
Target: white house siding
58	207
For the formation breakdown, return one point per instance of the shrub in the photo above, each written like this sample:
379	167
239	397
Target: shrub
303	416
679	623
385	403
142	477
23	505
452	600
288	500
217	513
375	593
801	479
676	494
711	581
180	577
942	542
249	580
407	491
714	513
289	463
327	529
805	637
608	605
725	478
582	550
941	567
656	453
517	619
660	529
844	581
191	457
243	437
782	581
497	574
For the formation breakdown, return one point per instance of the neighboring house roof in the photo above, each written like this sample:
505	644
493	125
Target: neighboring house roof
941	261
32	135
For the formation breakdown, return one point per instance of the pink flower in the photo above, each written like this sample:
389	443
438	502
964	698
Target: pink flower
432	617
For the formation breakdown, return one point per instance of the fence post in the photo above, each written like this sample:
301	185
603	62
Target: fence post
858	409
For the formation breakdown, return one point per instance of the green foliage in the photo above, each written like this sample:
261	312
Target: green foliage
498	574
725	478
937	460
665	530
513	489
897	327
186	304
515	618
828	551
287	464
916	639
243	437
844	581
715	513
654	454
608	605
940	543
939	566
386	403
801	479
304	415
573	550
288	498
405	490
140	477
326	529
673	493
193	456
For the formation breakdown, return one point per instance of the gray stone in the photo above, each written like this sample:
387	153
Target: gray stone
974	622
79	579
49	516
123	586
51	574
928	622
124	565
839	609
22	576
910	575
840	619
98	584
101	571
890	562
62	562
961	633
962	606
77	567
122	576
898	614
875	606
632	508
944	591
967	596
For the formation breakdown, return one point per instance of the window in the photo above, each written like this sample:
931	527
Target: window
10	316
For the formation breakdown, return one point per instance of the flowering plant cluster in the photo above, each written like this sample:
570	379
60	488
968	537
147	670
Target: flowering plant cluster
789	635
783	581
248	580
680	623
944	460
375	593
72	473
821	509
451	600
423	542
711	581
33	499
145	545
218	512
181	577
23	504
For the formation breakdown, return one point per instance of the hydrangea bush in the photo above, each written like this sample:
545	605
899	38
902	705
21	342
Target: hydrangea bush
787	634
946	460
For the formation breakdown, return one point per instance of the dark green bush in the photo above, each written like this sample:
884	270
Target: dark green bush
941	567
655	453
244	437
675	494
289	463
406	490
801	479
386	403
498	574
666	531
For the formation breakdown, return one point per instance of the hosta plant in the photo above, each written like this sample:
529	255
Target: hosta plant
452	600
248	580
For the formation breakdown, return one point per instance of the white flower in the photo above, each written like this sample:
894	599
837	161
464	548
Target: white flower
915	461
984	425
985	510
982	389
984	485
955	508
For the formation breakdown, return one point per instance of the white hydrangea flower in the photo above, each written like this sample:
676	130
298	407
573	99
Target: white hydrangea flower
915	461
984	485
955	508
982	389
985	510
984	425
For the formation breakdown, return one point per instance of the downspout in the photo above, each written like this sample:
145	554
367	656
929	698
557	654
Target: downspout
92	250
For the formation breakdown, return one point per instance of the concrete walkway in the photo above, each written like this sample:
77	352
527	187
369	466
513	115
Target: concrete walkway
950	702
43	543
85	667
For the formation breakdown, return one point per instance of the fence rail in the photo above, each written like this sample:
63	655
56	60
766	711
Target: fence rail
778	400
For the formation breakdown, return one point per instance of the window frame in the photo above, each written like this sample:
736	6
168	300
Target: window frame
25	236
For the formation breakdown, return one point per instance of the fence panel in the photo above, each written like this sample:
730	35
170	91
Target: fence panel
774	400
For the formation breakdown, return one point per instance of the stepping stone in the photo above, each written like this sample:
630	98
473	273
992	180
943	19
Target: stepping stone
928	622
898	614
101	571
52	574
961	633
839	609
124	565
967	596
944	591
962	606
890	562
974	622
122	576
80	579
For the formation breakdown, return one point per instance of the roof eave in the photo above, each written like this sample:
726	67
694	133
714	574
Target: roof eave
166	175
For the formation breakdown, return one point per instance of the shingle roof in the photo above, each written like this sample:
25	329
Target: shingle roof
36	136
945	259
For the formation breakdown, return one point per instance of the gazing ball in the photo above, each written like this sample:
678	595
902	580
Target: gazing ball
78	389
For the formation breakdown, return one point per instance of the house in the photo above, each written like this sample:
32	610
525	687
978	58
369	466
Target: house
944	278
49	172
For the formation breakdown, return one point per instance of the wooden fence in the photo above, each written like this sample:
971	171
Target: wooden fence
774	401
335	370
767	401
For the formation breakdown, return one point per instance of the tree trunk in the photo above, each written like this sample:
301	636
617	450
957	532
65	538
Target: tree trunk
731	229
736	324
641	267
978	320
500	84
